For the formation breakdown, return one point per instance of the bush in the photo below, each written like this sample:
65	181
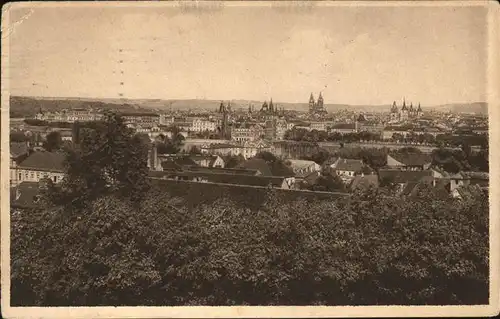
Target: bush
371	249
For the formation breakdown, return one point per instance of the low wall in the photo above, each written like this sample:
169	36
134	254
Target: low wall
196	193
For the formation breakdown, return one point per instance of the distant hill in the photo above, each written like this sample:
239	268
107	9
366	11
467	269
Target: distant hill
476	107
28	106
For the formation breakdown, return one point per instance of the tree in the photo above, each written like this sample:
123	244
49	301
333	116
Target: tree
109	157
53	141
319	157
369	248
328	183
18	137
278	167
232	161
172	145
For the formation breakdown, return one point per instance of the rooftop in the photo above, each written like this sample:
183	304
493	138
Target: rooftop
257	164
225	178
345	164
412	159
400	176
44	161
365	181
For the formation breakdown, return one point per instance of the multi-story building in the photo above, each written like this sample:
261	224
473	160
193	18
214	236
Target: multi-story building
202	125
318	126
37	166
143	119
69	115
244	132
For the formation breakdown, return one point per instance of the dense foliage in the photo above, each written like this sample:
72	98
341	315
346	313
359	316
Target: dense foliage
278	166
456	139
105	157
172	144
53	141
367	250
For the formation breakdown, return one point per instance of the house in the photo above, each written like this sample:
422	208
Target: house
206	160
18	153
413	188
39	165
302	168
318	126
347	168
402	177
170	161
409	161
344	128
464	179
257	164
364	182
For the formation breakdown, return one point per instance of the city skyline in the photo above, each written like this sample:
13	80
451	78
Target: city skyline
257	53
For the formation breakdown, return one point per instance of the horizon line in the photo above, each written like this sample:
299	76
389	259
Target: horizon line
232	99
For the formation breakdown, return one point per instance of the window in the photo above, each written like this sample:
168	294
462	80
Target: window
20	176
55	179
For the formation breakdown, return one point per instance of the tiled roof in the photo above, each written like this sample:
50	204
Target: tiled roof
181	161
258	164
364	181
200	157
298	164
24	194
45	161
412	159
170	165
345	164
312	177
401	176
236	171
236	179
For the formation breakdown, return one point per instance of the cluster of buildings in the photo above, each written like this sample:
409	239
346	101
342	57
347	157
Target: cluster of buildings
406	113
317	107
246	134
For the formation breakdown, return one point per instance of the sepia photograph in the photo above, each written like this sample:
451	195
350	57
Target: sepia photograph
249	159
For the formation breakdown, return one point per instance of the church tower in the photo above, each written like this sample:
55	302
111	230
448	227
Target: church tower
404	112
320	101
312	103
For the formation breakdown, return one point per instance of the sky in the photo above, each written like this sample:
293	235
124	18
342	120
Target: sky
353	55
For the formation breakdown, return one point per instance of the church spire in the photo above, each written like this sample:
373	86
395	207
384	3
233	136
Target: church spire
311	98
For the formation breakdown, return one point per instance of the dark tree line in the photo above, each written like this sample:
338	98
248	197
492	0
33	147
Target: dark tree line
371	249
